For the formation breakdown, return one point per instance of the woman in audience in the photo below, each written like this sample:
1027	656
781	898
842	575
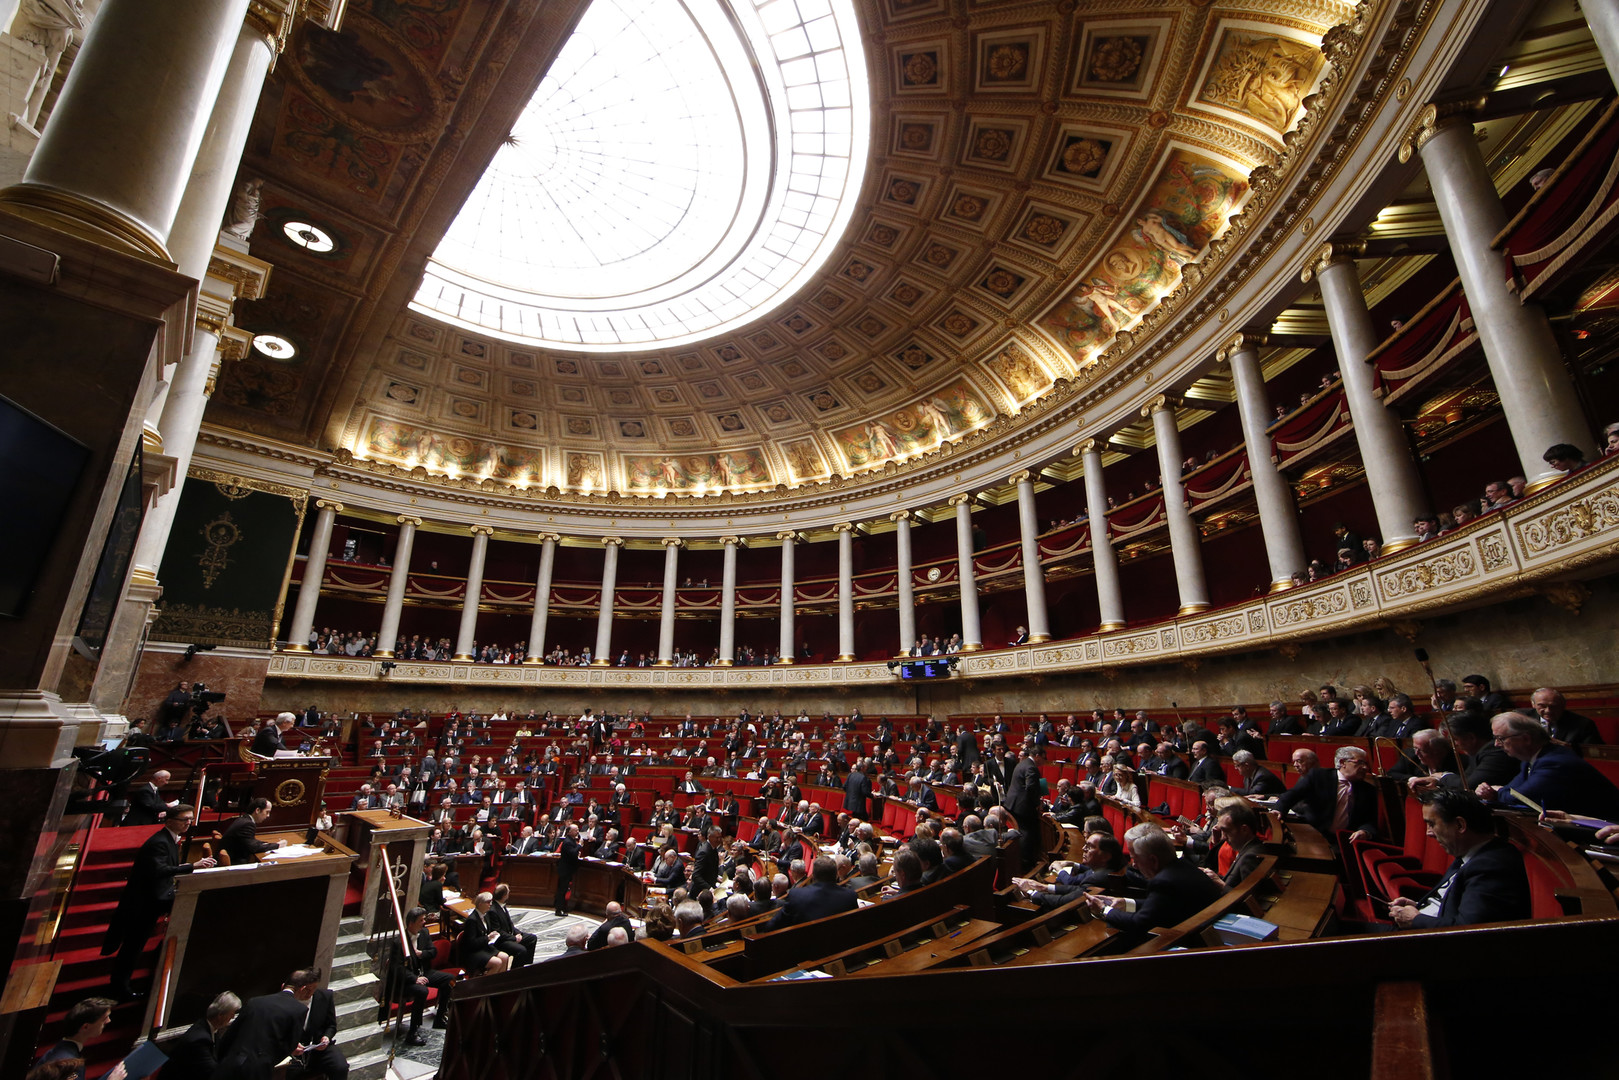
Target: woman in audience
1124	785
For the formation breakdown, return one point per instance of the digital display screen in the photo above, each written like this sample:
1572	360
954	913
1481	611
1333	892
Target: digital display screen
936	667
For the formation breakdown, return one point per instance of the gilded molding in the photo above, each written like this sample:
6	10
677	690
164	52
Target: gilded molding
1021	476
234	343
731	541
298	495
964	499
248	277
1090	446
843	527
1159	402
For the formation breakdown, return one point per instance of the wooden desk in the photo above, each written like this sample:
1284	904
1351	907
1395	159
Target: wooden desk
533	881
371	832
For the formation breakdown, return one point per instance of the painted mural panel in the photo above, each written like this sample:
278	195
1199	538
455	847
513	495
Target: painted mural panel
1184	209
1260	74
1023	375
690	472
915	428
410	446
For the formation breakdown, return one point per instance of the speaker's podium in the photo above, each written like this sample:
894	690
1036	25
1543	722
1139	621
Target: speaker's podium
246	928
404	839
295	785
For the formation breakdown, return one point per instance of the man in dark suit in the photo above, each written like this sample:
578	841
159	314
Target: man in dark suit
1486	881
1207	768
567	867
411	977
1023	800
269	739
146	805
705	863
857	791
1550	775
241	841
1176	889
1256	779
615	918
1333	800
1239	828
1565	727
1165	762
823	896
147	896
194	1055
267	1031
319	1040
1281	723
517	945
432	891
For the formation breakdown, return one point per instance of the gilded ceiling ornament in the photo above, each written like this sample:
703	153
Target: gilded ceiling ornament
1116	59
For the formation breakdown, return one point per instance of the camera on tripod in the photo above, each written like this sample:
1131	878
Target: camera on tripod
202	697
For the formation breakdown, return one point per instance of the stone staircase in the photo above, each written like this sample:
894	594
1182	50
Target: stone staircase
354	986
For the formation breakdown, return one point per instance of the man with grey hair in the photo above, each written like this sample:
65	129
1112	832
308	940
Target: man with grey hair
617	936
1281	723
1176	889
867	875
688	917
268	742
192	1056
1565	727
1256	779
1551	776
738	907
575	942
1335	801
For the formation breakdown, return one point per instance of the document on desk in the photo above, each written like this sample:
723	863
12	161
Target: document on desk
294	851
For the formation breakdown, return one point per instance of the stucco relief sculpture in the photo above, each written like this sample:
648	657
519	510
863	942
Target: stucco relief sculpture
48	25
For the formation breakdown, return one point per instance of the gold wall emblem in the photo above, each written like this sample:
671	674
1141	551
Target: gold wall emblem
221	535
289	793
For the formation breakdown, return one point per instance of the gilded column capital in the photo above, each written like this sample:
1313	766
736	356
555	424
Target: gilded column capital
214	367
1160	402
413	522
672	542
1436	117
275	19
787	537
1021	476
1330	254
555	538
900	515
843	527
1236	343
613	541
1090	446
329	504
486	530
234	343
731	541
248	277
964	499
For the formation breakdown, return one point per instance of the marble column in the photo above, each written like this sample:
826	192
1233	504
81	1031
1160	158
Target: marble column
972	632
1278	516
1186	547
1109	597
845	531
905	587
468	630
1602	16
1385	452
604	619
788	647
113	161
542	599
303	613
728	603
1537	395
671	581
388	636
1034	575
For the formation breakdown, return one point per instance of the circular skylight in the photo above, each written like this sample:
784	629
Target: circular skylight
682	168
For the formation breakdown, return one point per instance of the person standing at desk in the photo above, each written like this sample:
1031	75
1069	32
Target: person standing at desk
147	897
241	840
567	867
268	741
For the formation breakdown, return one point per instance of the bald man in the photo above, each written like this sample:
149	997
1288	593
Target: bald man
146	803
616	920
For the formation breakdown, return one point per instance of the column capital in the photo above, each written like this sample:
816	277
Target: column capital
413	522
787	537
1333	253
843	527
1236	343
329	504
613	541
555	538
234	344
1161	402
275	19
964	499
732	541
672	542
485	530
1090	446
1021	476
900	515
248	277
1436	117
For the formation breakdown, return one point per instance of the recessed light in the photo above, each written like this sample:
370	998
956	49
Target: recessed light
309	236
275	346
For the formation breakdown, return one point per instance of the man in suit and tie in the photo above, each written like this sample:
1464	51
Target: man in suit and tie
515	944
857	791
705	863
411	977
146	804
526	843
268	1029
241	841
147	896
268	742
823	896
319	1039
1333	800
195	1054
1256	779
1176	889
615	919
1023	800
567	867
1551	775
1486	881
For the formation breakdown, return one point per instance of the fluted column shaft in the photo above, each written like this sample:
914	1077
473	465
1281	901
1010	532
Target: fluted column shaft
1278	516
1109	597
728	604
388	636
903	583
671	581
303	613
787	648
1186	547
121	141
845	531
542	599
1034	575
1537	395
972	631
1385	453
468	630
604	619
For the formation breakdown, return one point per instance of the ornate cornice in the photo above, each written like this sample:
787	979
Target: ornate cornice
248	277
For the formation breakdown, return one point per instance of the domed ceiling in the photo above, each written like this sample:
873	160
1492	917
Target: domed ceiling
1039	175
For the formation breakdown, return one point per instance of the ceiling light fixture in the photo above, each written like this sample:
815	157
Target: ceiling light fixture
275	346
310	237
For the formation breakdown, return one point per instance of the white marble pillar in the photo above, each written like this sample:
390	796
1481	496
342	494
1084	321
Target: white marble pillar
122	139
904	586
1109	597
1537	395
728	603
604	618
542	599
320	540
788	647
1602	16
1385	452
972	631
388	636
1278	516
467	632
845	531
1186	547
671	581
1034	575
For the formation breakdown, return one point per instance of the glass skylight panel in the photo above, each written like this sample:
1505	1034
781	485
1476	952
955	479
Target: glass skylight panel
638	198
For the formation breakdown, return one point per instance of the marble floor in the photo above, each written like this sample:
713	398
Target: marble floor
415	1062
